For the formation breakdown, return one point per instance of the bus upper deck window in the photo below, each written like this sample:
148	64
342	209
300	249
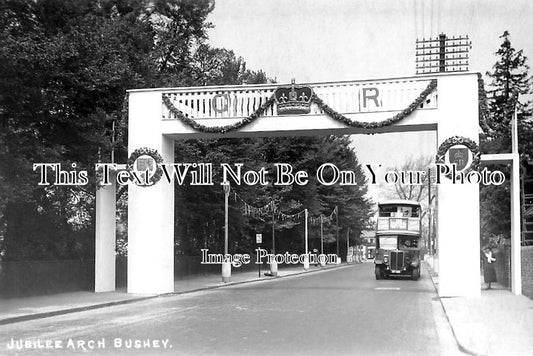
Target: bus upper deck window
387	211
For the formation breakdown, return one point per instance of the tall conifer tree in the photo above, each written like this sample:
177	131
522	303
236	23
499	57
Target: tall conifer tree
509	90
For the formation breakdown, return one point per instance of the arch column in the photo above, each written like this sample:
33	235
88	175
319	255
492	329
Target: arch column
458	246
150	209
105	238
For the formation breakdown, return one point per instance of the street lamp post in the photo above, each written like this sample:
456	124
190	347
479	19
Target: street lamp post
306	244
429	211
274	264
273	231
337	216
432	242
321	259
226	265
348	257
321	235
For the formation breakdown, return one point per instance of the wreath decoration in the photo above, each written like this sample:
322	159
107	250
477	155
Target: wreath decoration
145	151
318	101
459	140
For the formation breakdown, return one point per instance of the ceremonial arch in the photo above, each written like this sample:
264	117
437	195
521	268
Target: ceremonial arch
444	103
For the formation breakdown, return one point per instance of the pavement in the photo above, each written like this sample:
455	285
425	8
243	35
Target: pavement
497	323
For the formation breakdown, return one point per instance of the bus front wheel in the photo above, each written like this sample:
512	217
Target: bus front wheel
379	272
415	274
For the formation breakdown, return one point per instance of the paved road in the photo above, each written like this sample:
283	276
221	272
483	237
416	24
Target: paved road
342	311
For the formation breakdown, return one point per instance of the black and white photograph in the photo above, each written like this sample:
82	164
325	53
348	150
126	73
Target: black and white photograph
266	177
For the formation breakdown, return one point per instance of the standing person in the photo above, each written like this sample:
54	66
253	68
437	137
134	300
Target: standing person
489	272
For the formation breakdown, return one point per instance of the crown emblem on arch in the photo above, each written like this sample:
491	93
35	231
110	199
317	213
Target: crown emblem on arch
293	99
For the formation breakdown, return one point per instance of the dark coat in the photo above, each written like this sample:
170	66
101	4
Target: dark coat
489	272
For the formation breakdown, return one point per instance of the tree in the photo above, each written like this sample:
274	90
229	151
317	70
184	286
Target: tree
64	70
509	79
178	26
199	218
219	66
416	188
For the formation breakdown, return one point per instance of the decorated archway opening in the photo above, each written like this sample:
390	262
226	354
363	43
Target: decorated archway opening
447	104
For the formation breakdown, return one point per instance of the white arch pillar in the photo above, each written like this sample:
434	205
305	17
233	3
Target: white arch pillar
105	239
458	245
150	209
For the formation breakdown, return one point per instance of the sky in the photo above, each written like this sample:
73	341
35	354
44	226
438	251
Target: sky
329	40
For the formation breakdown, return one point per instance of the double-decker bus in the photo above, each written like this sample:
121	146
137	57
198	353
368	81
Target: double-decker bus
398	230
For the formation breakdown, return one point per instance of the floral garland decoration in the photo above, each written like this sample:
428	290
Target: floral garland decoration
459	140
145	151
218	129
327	110
372	125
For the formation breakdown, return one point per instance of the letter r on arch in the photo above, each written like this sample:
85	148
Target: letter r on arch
371	93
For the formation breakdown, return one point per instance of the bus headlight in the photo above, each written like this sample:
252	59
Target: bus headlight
385	258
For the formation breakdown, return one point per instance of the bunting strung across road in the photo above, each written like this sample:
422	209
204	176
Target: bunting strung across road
297	216
257	212
324	219
267	210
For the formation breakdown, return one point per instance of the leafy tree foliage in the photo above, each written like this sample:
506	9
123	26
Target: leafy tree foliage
219	66
178	25
200	222
64	69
